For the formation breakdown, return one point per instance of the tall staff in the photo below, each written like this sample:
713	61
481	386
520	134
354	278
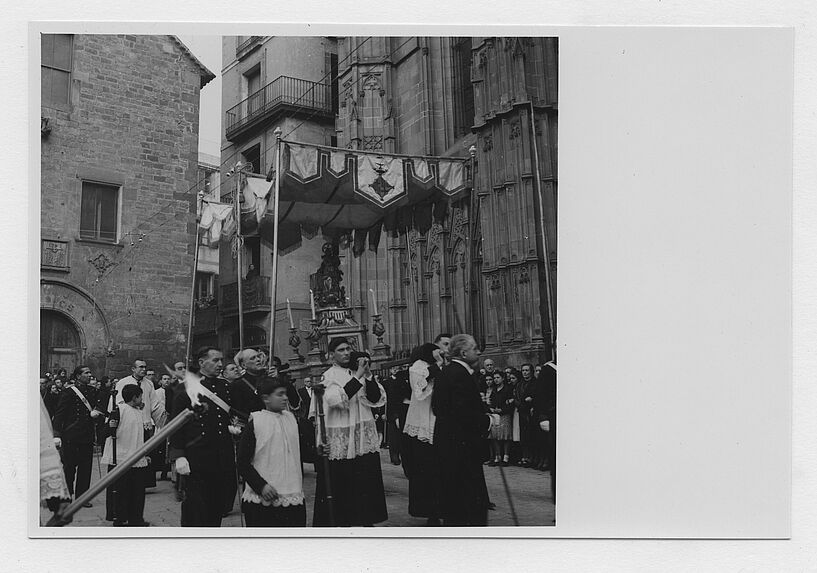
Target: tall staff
193	288
323	452
239	253
545	249
469	244
276	194
121	468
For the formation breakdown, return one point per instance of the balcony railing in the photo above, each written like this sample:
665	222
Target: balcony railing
205	320
282	93
254	295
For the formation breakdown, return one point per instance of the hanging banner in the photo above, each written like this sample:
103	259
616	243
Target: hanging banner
340	191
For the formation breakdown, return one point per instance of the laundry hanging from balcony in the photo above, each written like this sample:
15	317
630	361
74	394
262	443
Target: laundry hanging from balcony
217	220
343	191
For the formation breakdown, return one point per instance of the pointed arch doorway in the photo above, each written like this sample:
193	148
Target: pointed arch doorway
60	342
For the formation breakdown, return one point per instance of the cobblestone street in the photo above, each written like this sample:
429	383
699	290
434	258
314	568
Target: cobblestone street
530	494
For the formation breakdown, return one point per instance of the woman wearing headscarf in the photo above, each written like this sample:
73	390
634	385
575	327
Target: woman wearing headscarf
418	457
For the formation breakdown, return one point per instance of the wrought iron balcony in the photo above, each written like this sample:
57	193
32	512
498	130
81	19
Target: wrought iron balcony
205	320
247	46
283	94
255	296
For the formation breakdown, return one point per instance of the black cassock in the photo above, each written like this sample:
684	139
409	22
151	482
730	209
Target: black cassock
459	435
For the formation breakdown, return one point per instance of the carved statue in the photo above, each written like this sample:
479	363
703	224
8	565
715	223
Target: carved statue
329	291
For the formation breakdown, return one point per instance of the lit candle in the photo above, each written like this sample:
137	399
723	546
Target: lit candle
289	312
374	301
312	303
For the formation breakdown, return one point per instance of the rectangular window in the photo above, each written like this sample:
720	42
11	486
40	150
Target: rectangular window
332	64
205	285
255	98
253	155
99	214
56	55
463	88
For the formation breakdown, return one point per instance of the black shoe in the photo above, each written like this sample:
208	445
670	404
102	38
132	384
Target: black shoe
491	505
119	524
493	463
87	504
141	524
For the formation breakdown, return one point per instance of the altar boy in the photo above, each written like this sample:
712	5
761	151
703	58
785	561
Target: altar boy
269	459
129	500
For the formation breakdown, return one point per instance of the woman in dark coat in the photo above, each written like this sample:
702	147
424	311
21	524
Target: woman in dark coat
418	450
523	400
500	402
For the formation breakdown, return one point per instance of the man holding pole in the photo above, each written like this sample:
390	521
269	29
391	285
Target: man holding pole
352	446
202	450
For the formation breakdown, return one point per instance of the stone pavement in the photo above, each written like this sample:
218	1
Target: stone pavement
530	495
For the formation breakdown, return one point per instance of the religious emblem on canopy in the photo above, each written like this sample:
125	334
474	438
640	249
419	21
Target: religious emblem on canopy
380	185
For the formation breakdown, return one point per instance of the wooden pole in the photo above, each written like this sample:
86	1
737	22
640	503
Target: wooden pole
114	474
469	247
545	249
239	255
188	354
323	453
274	279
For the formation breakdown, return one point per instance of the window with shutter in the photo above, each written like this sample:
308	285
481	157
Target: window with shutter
56	57
99	212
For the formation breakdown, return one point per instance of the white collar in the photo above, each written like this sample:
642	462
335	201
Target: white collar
467	367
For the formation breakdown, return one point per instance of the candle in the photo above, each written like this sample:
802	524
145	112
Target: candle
289	312
312	303
374	301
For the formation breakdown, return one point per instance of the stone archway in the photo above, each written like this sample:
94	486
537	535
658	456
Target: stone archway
60	342
64	307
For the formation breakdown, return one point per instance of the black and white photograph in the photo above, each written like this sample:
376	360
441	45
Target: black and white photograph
291	299
297	281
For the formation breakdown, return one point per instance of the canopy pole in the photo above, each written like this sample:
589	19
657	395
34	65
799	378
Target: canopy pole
469	247
188	356
274	282
545	249
239	255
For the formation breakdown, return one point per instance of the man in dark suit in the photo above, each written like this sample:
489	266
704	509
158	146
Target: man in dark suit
544	407
306	429
398	398
459	433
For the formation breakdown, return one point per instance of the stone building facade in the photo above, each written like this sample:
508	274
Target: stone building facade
271	82
490	267
487	268
119	151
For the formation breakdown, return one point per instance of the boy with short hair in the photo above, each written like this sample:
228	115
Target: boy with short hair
129	500
269	460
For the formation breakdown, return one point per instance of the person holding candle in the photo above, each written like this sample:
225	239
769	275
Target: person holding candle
353	447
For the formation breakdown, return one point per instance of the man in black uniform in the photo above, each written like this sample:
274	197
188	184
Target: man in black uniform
74	430
202	449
